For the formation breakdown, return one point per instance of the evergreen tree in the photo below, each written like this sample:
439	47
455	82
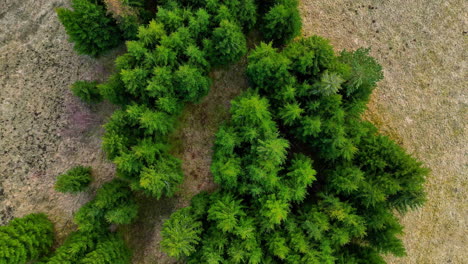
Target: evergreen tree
109	250
229	43
88	26
182	233
282	22
25	239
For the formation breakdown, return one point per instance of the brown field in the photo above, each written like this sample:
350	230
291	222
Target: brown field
421	103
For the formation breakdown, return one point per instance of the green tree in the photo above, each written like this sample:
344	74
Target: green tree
74	180
282	22
110	249
181	233
228	43
88	26
25	239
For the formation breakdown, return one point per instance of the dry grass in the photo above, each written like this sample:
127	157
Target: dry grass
421	103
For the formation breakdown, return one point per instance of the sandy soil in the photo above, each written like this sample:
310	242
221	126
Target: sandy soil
422	102
44	130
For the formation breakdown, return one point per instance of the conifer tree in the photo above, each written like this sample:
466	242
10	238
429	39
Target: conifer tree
89	27
25	239
182	233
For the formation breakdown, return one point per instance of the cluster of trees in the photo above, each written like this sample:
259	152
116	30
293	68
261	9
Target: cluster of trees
272	205
305	103
165	68
26	239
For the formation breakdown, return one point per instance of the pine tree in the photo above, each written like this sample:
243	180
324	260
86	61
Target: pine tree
229	43
88	26
25	239
282	22
181	233
110	249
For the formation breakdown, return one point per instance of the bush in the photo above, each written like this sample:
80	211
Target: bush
25	239
74	180
87	91
88	26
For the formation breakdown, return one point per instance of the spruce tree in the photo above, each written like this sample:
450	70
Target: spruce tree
25	239
89	27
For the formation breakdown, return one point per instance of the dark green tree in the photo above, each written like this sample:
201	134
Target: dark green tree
89	27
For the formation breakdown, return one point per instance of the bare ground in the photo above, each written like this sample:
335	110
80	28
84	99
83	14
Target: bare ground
421	103
44	129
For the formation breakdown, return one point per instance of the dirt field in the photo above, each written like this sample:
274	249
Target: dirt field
44	129
421	103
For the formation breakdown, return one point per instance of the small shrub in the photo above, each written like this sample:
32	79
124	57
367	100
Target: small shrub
87	91
74	180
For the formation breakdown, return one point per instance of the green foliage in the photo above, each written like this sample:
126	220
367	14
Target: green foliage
111	250
113	204
74	180
228	43
282	22
305	101
366	72
91	248
181	233
88	26
87	91
25	239
190	84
